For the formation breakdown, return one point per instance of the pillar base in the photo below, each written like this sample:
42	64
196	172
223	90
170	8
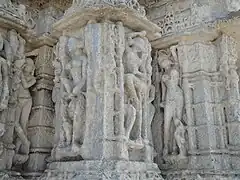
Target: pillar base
201	175
95	170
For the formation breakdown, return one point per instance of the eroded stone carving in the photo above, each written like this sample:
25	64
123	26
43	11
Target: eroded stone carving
233	5
133	4
18	11
73	78
139	93
135	79
2	131
55	97
4	78
172	100
25	69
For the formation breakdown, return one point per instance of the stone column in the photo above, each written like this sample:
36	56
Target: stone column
105	93
204	86
40	127
231	103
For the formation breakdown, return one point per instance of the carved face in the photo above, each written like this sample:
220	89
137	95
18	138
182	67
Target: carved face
165	63
29	66
74	46
138	44
174	75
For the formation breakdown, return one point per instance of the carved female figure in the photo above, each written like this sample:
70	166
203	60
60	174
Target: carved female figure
23	109
173	107
74	82
135	78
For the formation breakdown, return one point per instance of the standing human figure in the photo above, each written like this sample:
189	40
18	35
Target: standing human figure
173	106
23	108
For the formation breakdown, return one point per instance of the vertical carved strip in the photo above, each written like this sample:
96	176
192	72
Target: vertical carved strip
40	127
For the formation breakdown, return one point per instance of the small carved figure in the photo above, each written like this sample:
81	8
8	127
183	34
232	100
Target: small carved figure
180	137
23	108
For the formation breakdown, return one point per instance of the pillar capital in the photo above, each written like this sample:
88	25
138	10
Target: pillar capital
131	15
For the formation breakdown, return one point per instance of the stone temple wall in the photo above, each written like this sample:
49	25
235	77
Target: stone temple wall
119	90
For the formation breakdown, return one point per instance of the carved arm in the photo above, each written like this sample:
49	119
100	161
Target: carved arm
67	84
27	84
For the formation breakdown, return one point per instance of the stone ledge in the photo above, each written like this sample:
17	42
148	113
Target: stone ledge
101	169
127	16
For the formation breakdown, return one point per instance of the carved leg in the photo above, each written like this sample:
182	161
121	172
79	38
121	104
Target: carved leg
63	114
173	143
130	118
180	137
130	88
77	118
167	123
67	127
23	138
19	130
27	105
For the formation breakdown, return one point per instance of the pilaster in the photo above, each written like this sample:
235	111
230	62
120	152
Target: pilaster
105	93
41	125
210	86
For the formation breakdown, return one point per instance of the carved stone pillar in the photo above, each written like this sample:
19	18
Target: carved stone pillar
202	84
105	94
40	127
210	117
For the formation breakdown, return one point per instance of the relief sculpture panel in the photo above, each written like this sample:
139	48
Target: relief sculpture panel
70	71
139	93
131	92
17	77
171	100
